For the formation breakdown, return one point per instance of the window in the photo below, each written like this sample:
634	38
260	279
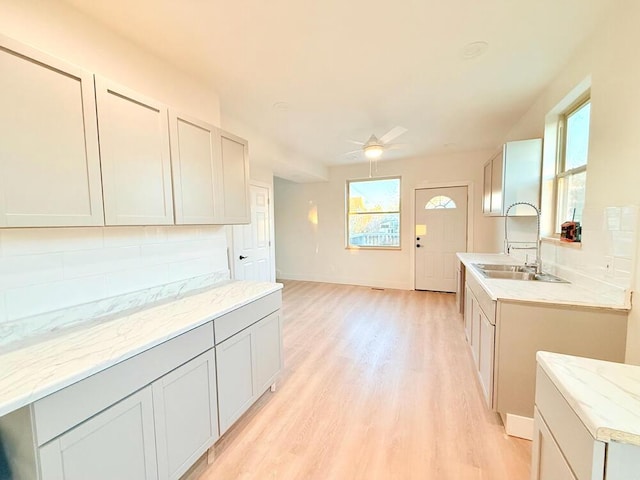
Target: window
440	202
573	153
373	213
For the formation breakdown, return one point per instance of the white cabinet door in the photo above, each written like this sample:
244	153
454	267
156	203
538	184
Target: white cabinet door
468	312
475	331
497	170
547	461
267	342
117	443
234	156
185	411
487	347
234	359
196	170
49	162
134	151
486	189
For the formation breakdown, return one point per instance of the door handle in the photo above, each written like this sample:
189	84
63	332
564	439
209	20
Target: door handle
418	246
242	257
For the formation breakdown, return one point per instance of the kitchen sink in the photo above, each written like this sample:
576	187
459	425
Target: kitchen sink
515	272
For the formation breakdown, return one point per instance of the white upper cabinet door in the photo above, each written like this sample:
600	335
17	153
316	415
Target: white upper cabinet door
49	162
134	151
195	169
234	154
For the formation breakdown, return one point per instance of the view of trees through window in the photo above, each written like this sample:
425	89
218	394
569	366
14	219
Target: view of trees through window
373	216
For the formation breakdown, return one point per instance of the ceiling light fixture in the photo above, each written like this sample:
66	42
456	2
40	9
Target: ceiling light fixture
474	50
373	148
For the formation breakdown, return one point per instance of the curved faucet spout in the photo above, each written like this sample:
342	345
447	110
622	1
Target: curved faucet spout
507	245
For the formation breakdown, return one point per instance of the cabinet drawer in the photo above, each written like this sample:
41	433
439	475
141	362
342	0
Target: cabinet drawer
487	305
584	454
66	408
233	322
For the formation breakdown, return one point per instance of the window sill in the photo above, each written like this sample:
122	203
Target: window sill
556	241
372	248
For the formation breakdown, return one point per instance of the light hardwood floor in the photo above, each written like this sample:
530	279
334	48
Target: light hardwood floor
378	384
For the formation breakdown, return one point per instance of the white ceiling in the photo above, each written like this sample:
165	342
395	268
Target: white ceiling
350	68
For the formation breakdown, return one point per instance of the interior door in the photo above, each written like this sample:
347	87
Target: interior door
252	242
440	232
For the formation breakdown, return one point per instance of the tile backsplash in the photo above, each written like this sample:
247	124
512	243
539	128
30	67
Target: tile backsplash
48	269
606	257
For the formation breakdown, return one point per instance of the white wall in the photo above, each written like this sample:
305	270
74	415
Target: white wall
47	269
610	57
316	251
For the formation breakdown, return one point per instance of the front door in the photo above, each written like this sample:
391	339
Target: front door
252	243
440	232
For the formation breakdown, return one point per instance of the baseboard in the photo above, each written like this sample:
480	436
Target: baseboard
518	426
344	281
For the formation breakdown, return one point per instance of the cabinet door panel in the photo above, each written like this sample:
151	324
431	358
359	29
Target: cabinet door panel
487	347
497	165
49	162
195	170
475	331
468	312
547	461
134	149
235	179
185	409
268	351
486	190
117	443
234	359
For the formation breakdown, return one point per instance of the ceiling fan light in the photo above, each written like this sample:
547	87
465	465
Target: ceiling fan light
373	151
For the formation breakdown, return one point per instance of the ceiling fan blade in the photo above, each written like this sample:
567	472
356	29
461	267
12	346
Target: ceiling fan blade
356	143
396	146
392	134
353	151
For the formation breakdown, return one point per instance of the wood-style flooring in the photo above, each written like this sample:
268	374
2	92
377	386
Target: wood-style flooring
378	384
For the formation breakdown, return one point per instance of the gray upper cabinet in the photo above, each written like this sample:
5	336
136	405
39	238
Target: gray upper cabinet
234	157
134	151
513	175
49	162
196	170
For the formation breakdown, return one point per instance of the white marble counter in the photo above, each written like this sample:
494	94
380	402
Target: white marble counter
533	291
604	395
56	360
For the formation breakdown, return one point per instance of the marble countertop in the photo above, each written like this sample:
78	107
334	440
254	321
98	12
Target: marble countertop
532	291
59	359
604	395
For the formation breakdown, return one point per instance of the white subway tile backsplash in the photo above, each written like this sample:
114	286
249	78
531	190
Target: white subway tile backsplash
95	262
123	236
125	281
24	270
189	268
48	269
33	241
36	299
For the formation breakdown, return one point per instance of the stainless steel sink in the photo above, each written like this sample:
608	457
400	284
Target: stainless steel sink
515	272
495	267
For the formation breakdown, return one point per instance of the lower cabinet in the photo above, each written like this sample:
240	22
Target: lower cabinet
117	443
185	412
247	364
479	324
548	462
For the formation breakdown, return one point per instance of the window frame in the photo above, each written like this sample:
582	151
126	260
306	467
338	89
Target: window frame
348	213
561	157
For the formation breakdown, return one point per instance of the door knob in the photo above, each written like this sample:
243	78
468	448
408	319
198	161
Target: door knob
242	257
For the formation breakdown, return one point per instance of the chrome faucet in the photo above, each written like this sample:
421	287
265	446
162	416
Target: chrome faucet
507	244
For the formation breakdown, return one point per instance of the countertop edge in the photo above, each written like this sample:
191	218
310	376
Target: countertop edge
41	391
600	433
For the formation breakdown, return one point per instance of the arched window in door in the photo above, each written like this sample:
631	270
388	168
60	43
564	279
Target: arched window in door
440	201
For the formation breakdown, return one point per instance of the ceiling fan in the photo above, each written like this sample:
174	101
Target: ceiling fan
374	147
